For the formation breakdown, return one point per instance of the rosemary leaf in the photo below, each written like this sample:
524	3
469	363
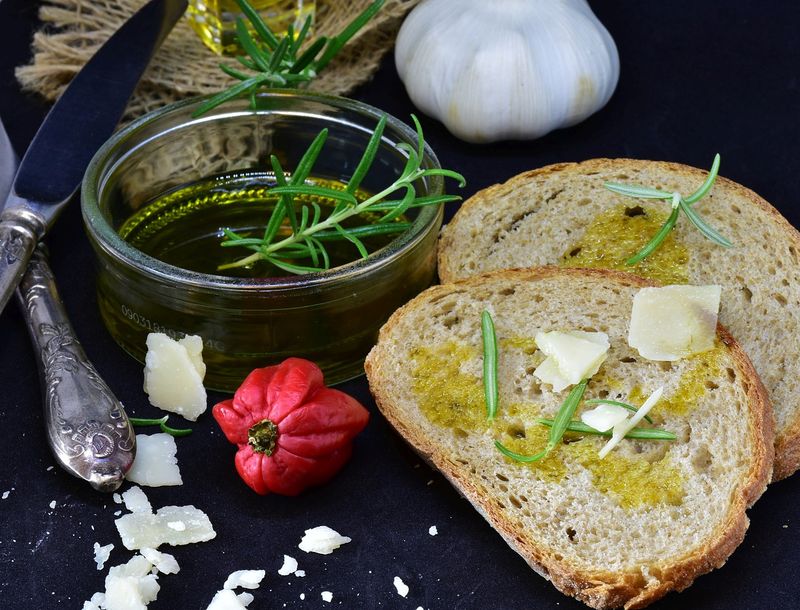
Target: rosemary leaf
655	242
490	390
519	457
616	403
655	434
365	231
634	190
706	186
706	229
367	158
251	48
362	250
258	24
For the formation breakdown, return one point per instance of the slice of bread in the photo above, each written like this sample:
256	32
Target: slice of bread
622	531
562	214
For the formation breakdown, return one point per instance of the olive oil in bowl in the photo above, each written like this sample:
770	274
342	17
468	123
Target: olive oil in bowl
185	227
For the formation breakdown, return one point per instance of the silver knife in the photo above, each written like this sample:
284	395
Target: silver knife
80	121
86	425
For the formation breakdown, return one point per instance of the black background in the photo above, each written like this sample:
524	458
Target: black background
697	78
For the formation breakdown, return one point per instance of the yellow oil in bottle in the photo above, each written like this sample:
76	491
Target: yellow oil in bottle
184	227
215	20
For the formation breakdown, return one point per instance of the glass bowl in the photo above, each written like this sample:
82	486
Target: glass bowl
330	317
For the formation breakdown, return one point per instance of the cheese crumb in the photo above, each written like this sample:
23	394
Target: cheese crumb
289	566
302	596
6	494
322	540
432	530
402	588
101	554
53	504
117	498
327	596
228	600
246	579
173	374
136	501
300	573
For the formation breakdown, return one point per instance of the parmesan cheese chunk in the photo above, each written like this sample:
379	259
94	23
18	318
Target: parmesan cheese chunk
604	417
163	562
173	374
156	464
139	530
228	600
131	586
136	501
674	322
322	540
101	554
289	566
571	356
246	579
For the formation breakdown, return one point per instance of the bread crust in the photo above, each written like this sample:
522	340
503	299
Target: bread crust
787	436
596	589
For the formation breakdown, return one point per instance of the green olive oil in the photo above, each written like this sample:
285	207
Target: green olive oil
184	227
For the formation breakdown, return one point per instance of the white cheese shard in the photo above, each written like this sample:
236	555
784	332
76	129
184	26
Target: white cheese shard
101	554
289	566
131	586
322	540
674	322
136	501
228	600
156	464
173	374
402	588
570	356
163	562
139	530
327	596
246	579
433	530
604	417
626	425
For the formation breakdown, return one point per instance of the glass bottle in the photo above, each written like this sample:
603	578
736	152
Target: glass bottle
215	20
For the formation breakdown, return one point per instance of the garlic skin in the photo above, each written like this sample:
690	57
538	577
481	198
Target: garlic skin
506	69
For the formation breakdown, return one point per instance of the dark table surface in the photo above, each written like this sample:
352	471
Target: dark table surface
697	78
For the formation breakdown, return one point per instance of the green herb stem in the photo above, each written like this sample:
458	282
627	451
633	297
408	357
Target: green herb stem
490	390
655	434
679	204
559	425
161	422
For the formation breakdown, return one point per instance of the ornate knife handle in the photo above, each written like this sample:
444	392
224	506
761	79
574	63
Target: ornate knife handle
20	229
87	428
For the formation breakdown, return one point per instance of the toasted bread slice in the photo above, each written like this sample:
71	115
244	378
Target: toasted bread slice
562	214
622	531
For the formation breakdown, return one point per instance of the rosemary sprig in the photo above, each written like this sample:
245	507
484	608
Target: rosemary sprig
279	62
560	425
490	390
161	422
309	229
655	434
616	403
679	204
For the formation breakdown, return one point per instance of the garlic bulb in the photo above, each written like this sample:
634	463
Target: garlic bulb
506	68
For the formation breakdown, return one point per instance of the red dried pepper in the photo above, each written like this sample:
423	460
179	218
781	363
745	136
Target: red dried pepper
291	430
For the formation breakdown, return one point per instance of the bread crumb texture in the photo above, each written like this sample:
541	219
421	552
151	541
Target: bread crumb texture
624	530
562	214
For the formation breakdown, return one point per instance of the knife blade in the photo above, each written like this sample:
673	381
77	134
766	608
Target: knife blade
77	125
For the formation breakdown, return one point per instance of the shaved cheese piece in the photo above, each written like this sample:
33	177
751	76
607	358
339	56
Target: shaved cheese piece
228	600
246	579
139	530
572	356
604	417
131	586
136	501
402	588
322	540
245	598
289	566
101	554
674	322
327	596
173	374
625	426
163	562
155	464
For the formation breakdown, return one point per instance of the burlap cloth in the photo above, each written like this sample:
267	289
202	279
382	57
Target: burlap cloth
183	67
